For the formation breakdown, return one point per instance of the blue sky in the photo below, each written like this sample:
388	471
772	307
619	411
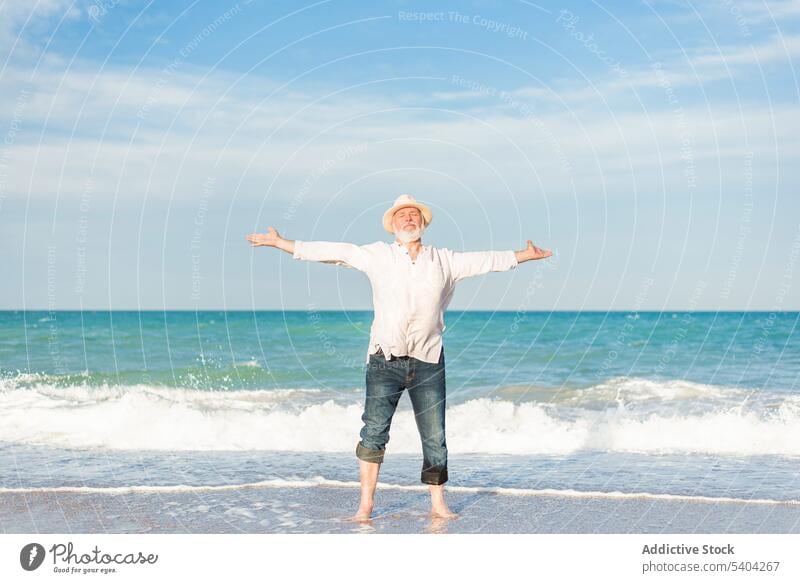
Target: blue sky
652	146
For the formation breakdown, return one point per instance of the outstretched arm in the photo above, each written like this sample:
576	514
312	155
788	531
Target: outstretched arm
531	253
474	263
345	254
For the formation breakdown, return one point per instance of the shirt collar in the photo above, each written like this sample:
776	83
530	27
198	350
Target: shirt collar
403	249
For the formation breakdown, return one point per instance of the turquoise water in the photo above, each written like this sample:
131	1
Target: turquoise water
689	403
274	350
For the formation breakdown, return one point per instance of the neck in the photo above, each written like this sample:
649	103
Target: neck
412	246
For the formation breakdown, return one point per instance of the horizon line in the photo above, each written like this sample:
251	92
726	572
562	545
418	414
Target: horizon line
188	310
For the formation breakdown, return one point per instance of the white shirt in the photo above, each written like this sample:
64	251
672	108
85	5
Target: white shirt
409	297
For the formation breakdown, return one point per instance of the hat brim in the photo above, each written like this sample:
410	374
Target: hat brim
389	214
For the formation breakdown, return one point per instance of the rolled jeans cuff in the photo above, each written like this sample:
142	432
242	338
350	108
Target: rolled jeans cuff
369	455
434	477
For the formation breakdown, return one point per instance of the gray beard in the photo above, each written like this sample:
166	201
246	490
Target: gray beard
409	236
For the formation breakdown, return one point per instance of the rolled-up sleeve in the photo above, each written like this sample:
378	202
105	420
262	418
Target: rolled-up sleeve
345	254
473	263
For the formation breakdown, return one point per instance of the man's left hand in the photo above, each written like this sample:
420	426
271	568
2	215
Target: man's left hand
532	252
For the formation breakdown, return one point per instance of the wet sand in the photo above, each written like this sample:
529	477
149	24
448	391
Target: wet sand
325	508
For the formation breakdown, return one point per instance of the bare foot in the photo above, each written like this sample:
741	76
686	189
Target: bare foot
363	515
443	512
439	507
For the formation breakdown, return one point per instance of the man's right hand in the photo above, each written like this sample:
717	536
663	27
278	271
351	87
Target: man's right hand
269	239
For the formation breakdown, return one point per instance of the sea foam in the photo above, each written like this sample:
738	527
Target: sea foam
171	419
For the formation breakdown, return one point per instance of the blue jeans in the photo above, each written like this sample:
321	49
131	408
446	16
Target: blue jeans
425	382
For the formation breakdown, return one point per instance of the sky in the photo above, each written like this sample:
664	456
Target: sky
652	146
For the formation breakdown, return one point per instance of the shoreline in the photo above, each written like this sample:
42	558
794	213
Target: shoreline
321	481
322	507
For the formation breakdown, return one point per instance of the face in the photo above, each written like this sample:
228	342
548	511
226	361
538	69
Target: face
407	219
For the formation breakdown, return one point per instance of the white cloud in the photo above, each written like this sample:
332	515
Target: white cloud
189	130
19	17
761	10
702	68
178	124
777	48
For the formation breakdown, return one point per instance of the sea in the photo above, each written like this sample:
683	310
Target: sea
699	405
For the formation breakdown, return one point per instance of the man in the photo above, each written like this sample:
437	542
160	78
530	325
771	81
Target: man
412	285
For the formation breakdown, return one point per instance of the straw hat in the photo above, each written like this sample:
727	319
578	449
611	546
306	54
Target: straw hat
405	200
